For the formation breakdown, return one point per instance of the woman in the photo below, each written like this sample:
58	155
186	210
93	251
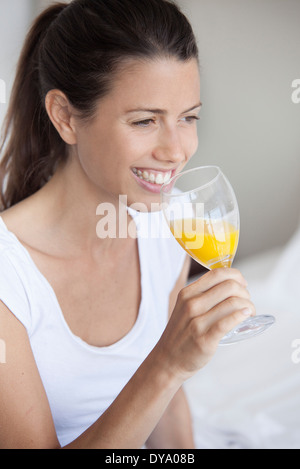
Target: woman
104	104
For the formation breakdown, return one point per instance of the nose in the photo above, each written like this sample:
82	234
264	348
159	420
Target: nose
169	147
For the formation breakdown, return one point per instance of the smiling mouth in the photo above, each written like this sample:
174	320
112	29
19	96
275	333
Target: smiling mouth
153	177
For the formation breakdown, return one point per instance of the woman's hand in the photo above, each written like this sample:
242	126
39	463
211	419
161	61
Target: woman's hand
205	311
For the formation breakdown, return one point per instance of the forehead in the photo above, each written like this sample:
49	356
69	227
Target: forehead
161	82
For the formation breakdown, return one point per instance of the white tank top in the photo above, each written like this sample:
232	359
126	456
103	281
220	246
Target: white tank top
81	380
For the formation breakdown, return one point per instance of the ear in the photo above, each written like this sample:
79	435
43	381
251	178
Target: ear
61	114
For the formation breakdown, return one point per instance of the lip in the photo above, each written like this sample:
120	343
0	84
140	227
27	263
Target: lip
149	186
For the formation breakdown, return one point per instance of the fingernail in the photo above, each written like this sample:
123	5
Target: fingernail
247	312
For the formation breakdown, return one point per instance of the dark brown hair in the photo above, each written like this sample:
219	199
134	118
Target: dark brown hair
78	48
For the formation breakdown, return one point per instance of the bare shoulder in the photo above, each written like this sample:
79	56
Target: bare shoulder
19	218
28	221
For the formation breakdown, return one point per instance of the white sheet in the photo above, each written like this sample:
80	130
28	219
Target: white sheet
249	395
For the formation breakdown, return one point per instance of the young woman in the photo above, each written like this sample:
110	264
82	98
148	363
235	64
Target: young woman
104	104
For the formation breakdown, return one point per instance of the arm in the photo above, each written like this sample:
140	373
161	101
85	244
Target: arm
204	312
26	421
174	429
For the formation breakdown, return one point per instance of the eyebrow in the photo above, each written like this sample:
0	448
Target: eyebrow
161	111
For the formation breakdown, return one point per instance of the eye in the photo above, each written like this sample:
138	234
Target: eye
190	119
143	123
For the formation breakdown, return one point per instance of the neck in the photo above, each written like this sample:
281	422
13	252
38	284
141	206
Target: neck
89	220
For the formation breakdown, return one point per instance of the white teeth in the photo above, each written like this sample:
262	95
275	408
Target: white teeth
154	178
159	179
167	177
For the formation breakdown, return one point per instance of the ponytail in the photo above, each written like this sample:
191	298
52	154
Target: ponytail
78	48
29	140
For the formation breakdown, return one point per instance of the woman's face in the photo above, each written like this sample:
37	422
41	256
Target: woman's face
144	130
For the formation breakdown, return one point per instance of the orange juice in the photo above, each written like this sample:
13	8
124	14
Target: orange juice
212	243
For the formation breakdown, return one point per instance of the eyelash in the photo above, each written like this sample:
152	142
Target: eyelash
143	123
146	122
192	118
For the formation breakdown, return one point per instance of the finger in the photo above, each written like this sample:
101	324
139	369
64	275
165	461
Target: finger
200	304
225	309
221	292
213	278
222	327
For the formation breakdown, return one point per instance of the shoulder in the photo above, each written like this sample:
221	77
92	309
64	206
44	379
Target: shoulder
14	285
13	256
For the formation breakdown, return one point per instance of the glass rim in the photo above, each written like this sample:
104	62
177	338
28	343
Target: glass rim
183	173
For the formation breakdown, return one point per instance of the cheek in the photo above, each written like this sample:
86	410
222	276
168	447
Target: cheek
191	143
136	144
97	152
105	158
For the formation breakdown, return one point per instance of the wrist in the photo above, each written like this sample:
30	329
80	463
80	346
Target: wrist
161	373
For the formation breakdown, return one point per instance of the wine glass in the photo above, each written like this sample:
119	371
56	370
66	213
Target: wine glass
202	213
